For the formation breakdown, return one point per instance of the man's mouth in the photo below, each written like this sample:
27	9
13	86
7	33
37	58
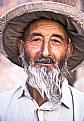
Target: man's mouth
44	60
49	66
45	64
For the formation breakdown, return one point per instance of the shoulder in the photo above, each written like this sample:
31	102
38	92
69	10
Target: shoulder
76	92
7	96
78	103
8	101
78	96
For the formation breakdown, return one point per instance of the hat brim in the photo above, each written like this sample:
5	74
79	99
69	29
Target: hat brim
15	21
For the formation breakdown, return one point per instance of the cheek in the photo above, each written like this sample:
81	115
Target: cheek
58	52
32	50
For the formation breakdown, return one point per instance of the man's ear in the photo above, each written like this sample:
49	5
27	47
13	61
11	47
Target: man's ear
20	46
70	49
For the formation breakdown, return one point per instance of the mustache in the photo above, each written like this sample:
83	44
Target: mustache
46	60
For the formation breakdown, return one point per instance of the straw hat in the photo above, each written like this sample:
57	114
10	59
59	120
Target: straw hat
15	21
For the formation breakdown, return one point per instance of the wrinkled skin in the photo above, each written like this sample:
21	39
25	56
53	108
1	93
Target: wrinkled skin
49	39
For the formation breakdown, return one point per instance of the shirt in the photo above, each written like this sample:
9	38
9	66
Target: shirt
18	105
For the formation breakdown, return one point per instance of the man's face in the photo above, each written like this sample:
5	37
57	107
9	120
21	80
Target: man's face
45	48
48	39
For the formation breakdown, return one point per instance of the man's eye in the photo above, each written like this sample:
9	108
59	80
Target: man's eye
35	40
56	41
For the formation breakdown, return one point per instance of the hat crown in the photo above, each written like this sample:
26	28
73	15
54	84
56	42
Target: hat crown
73	3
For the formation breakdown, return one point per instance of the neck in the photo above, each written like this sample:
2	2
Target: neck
36	95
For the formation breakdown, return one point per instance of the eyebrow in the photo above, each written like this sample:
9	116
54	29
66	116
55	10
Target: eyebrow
53	35
35	34
59	36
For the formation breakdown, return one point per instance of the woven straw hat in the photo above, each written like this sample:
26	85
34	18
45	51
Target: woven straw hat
15	21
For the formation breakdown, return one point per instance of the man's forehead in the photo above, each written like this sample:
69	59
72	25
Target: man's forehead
40	23
43	21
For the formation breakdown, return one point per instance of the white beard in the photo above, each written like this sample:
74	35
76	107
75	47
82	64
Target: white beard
47	82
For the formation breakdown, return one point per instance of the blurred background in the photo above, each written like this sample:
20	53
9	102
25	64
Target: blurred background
12	75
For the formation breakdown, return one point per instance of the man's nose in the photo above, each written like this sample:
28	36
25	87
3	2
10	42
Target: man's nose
45	49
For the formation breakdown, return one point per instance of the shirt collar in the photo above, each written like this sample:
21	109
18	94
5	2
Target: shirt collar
66	96
24	91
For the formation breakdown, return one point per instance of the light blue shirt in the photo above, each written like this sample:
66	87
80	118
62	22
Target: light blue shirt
18	105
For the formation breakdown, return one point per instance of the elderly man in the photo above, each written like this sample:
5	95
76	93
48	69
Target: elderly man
47	39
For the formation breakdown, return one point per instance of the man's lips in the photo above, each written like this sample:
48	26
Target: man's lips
44	63
50	65
44	60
